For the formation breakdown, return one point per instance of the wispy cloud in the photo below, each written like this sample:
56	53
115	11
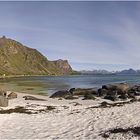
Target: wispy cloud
89	34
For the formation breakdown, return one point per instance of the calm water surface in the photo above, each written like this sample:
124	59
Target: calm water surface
49	84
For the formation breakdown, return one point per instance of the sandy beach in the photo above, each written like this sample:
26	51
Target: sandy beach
67	119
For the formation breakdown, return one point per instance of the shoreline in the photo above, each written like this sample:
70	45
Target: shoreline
27	78
15	76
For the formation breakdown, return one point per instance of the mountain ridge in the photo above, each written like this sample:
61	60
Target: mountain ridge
122	72
18	59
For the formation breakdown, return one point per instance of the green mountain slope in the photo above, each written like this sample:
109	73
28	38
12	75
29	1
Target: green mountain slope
17	59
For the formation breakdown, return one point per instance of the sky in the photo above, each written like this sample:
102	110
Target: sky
90	35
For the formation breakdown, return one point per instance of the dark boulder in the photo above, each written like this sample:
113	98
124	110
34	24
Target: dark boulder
138	88
104	104
120	88
102	92
109	87
113	92
82	92
135	88
89	97
60	94
72	90
131	94
133	91
123	96
70	97
111	95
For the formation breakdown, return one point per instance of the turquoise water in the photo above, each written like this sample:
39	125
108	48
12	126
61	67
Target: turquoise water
49	84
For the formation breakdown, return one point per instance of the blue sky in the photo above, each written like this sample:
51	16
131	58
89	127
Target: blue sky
90	35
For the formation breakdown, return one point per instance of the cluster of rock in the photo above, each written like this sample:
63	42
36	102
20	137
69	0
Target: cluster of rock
120	91
74	93
4	98
112	92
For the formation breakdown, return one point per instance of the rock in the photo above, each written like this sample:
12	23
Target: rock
82	92
104	104
102	92
3	101
70	97
33	98
89	97
111	95
138	88
60	94
135	91
109	87
131	94
123	87
72	90
106	135
112	92
132	90
135	88
12	95
123	96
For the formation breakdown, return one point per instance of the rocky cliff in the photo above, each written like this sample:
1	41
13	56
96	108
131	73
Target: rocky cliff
17	59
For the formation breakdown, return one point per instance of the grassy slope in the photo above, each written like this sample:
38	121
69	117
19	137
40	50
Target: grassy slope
16	59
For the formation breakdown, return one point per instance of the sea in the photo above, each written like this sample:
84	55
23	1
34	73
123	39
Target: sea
47	85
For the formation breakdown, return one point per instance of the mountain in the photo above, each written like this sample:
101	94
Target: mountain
17	59
123	72
128	72
96	72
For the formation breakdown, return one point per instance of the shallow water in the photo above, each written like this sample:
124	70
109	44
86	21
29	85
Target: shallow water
47	85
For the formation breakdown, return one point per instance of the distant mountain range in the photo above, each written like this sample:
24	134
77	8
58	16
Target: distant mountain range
95	72
129	72
17	59
123	72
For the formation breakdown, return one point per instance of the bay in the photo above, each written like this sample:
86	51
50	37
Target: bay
46	85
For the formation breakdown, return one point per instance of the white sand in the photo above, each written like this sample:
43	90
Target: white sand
67	121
